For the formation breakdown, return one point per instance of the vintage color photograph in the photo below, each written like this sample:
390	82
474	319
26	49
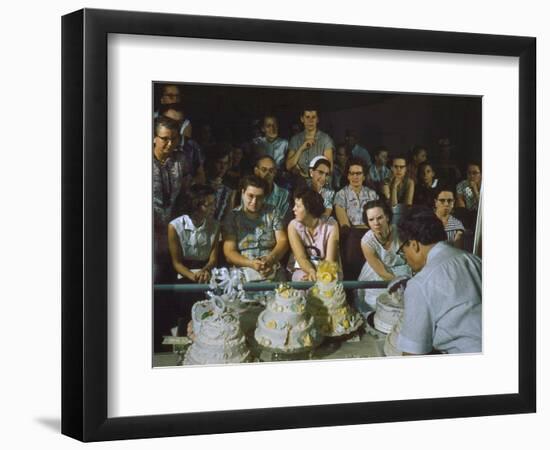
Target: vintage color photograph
297	224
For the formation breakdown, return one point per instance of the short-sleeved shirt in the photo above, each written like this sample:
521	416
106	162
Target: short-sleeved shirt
277	149
361	152
279	199
379	175
322	142
254	237
168	178
453	227
463	188
196	242
443	304
326	193
354	203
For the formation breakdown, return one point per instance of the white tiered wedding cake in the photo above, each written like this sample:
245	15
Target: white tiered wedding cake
285	325
218	336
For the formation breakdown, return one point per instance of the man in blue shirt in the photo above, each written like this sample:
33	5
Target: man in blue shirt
442	312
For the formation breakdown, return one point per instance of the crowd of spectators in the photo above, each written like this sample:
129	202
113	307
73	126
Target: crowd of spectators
276	206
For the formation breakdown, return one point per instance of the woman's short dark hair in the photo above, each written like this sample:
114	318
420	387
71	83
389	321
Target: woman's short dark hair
313	201
424	164
355	161
197	196
399	156
254	181
377	204
422	225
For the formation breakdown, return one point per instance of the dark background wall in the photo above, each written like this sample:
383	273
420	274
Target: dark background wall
396	120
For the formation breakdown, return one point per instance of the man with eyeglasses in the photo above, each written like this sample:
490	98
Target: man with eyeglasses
170	173
276	196
442	312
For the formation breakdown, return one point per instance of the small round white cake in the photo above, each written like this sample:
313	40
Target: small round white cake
218	335
285	325
389	308
327	304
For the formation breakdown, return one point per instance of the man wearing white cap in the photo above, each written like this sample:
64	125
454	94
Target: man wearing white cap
308	144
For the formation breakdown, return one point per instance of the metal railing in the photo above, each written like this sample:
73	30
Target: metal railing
266	286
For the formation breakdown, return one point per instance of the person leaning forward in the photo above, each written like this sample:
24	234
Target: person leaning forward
442	312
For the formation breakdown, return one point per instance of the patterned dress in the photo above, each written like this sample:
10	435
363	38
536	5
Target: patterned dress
395	264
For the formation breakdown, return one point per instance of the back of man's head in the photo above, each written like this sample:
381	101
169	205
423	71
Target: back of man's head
422	225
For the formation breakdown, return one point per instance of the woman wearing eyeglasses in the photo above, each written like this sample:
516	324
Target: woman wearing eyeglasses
467	191
319	173
443	206
380	247
313	236
348	207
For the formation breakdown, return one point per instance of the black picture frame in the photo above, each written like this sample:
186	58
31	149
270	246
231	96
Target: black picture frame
84	224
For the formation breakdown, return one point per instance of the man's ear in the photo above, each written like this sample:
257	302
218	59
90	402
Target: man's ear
415	245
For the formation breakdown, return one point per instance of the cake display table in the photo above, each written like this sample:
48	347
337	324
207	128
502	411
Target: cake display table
361	345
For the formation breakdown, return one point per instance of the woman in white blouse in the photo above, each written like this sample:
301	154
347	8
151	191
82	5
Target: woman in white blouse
193	237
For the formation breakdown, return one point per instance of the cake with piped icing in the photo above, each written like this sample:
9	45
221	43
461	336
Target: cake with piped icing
218	338
285	325
326	301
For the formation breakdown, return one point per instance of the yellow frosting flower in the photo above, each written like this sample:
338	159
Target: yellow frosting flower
271	324
326	277
345	323
307	340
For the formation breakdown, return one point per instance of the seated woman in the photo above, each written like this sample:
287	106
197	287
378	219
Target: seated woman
380	247
443	206
348	206
467	194
253	233
399	189
313	237
193	237
319	172
425	187
193	244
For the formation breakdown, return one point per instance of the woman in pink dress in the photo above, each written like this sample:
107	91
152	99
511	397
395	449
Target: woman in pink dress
313	237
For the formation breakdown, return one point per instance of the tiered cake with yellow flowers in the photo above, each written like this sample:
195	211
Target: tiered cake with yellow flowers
326	301
285	325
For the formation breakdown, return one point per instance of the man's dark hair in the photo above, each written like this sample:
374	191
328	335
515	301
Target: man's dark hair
377	204
422	225
443	187
265	156
313	201
399	156
166	122
167	107
380	149
254	181
213	153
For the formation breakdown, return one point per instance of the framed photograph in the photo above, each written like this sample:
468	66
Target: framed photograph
133	82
